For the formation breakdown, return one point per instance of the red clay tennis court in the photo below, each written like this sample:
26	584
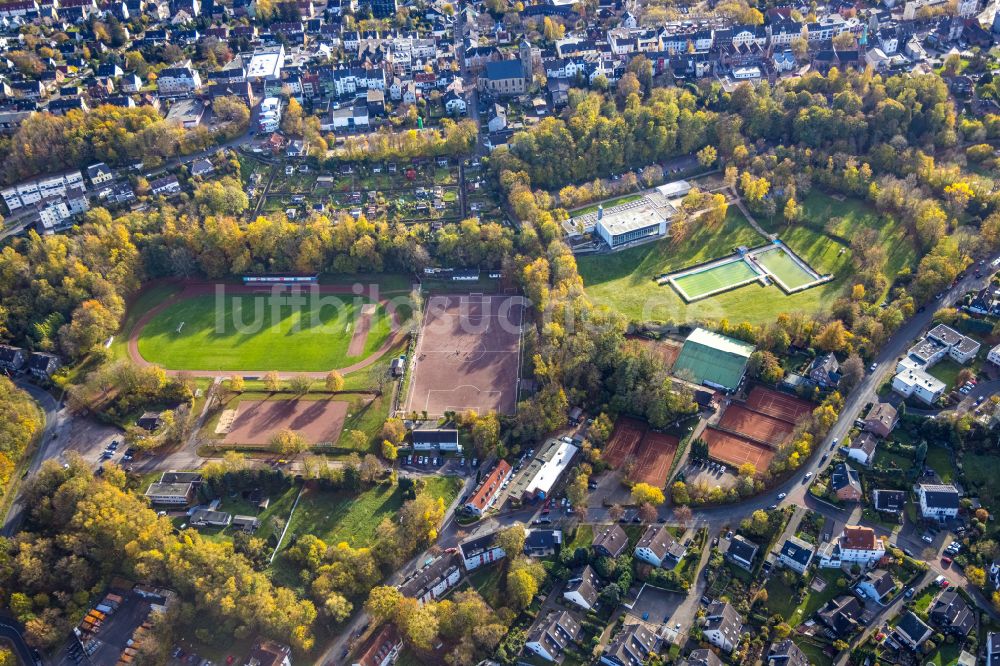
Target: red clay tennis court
736	450
468	355
624	441
755	425
779	405
656	453
318	421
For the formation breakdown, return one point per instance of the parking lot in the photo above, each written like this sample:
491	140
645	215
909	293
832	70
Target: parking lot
656	607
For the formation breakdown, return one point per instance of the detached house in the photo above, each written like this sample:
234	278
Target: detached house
175	80
12	358
796	554
951	614
841	615
845	483
582	589
877	584
633	645
881	419
740	552
723	626
856	545
42	365
786	653
825	371
862	448
911	632
938	501
889	501
550	635
659	547
611	542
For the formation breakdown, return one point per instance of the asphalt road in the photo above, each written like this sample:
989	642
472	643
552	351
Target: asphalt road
56	421
11	631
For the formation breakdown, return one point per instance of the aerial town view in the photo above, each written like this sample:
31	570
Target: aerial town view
500	333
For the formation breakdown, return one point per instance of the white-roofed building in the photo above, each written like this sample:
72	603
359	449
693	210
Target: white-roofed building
266	64
556	458
914	382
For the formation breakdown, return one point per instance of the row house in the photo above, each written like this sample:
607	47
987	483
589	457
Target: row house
31	192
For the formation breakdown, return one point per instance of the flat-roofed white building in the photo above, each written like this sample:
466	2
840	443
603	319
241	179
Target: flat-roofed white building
266	64
631	222
914	382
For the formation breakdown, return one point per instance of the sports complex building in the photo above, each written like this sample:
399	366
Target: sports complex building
713	359
644	218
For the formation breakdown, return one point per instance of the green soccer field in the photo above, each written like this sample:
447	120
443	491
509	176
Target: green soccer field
717	277
247	333
781	265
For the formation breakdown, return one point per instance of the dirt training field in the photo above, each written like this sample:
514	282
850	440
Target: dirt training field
319	421
468	355
361	328
648	454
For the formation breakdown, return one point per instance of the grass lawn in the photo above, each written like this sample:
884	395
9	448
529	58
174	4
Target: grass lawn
884	458
617	201
945	655
947	371
336	517
583	538
625	280
780	597
817	657
187	336
145	301
923	601
814	601
486	580
980	473
939	459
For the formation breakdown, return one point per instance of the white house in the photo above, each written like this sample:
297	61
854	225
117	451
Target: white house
917	383
181	79
659	547
550	634
723	626
796	554
582	589
857	545
994	357
938	501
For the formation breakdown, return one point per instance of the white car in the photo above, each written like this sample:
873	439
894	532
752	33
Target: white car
782	496
872	367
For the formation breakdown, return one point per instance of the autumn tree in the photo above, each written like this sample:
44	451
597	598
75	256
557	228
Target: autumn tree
272	381
288	442
300	384
334	381
643	493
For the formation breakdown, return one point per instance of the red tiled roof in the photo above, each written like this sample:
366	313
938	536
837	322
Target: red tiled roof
490	485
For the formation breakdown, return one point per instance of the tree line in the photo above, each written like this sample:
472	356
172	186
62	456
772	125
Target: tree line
68	292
